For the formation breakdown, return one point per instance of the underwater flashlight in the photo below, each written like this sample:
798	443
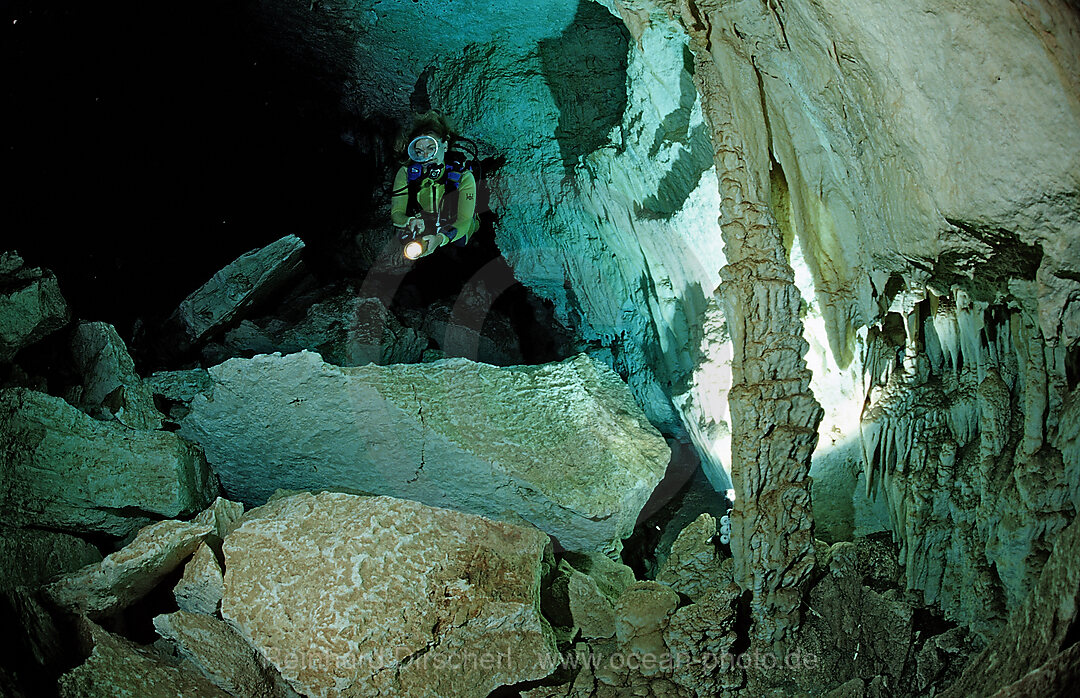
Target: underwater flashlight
414	249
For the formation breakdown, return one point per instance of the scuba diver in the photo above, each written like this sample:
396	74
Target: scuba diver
434	196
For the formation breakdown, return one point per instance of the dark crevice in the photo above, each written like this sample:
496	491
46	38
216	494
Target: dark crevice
743	623
1072	635
585	68
1072	366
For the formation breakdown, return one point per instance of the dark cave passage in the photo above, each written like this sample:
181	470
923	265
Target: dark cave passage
145	161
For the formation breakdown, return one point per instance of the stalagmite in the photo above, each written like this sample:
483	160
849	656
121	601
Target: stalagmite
774	416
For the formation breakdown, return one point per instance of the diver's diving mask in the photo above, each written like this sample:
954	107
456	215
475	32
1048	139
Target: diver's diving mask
423	149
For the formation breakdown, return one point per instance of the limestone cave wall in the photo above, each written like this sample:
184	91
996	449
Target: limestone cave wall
919	167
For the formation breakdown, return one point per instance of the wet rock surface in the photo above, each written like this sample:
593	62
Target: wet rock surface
412	600
575	457
122	578
238	287
65	470
31	306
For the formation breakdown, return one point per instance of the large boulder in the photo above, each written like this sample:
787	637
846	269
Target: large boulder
62	469
110	383
31	306
242	284
562	445
373	596
127	575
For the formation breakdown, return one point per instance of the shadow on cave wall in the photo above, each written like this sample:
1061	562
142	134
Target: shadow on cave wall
585	68
692	160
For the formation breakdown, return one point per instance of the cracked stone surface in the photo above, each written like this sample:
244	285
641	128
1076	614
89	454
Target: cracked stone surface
374	596
63	469
561	445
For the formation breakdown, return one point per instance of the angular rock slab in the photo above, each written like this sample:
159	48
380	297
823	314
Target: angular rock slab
118	667
203	584
247	280
62	469
109	378
562	445
129	574
220	654
694	566
374	596
31	306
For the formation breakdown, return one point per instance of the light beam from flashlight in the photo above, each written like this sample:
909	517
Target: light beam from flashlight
413	250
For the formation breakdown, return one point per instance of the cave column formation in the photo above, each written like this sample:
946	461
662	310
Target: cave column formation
774	415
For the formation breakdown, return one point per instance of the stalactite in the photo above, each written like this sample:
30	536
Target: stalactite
949	439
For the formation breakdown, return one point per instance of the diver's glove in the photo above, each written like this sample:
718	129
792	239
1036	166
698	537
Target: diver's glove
433	242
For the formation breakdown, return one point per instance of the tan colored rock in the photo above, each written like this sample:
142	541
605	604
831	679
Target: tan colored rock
128	574
117	667
700	638
31	556
110	382
219	653
562	445
202	587
62	469
371	596
642	615
694	566
224	515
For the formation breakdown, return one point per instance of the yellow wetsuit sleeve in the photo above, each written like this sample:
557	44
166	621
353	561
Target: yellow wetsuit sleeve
466	208
399	204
